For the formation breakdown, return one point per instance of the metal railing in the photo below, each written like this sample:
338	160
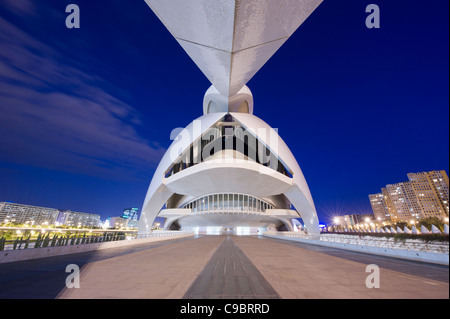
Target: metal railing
46	240
390	242
163	233
367	240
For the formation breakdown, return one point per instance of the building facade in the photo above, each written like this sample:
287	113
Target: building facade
382	206
404	200
229	170
131	213
15	213
431	190
121	223
76	219
358	220
379	207
424	195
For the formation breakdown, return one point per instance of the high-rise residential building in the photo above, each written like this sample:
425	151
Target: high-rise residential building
358	220
431	189
76	219
34	215
378	206
27	214
119	222
382	206
391	213
404	200
424	195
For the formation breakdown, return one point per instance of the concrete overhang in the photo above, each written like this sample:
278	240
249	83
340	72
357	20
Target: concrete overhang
246	177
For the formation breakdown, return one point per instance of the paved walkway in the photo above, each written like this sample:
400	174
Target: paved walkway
230	274
223	267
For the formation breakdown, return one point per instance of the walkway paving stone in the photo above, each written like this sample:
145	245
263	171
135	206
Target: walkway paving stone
159	273
230	274
223	267
296	272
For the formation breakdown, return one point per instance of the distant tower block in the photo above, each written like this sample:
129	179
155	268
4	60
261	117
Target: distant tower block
229	170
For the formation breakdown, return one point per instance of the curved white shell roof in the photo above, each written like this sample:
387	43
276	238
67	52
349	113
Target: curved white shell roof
230	40
211	176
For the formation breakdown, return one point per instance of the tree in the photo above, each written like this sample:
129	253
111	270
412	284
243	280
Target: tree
427	222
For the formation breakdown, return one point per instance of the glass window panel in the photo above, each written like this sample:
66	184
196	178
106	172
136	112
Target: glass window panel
241	201
216	202
210	202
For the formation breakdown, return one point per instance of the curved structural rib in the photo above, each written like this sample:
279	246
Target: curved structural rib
236	176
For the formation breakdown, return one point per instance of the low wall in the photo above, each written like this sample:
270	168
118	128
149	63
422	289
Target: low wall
423	256
7	256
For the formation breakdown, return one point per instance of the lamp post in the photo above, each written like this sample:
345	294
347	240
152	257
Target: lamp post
337	221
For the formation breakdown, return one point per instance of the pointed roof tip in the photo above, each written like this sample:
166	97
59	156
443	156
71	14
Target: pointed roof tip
231	40
435	230
424	230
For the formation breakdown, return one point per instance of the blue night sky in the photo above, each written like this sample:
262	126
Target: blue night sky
86	114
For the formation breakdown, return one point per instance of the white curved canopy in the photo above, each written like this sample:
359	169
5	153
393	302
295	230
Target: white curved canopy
247	176
230	40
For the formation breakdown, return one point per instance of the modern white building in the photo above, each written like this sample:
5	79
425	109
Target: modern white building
229	171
